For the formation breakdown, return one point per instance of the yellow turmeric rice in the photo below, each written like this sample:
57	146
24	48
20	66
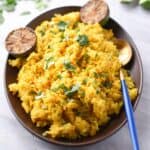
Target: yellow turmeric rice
70	83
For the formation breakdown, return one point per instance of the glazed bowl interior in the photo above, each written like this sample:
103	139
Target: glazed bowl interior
135	68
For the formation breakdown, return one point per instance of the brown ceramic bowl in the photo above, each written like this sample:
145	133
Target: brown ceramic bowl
135	67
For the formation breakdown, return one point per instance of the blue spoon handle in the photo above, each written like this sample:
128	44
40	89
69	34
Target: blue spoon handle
130	117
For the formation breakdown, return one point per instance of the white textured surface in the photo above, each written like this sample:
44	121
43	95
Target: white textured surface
137	22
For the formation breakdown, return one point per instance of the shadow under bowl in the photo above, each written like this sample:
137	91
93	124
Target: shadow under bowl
135	68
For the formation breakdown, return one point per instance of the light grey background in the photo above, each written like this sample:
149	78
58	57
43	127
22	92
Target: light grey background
137	22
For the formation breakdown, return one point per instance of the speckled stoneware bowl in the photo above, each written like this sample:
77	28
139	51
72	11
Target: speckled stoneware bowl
135	67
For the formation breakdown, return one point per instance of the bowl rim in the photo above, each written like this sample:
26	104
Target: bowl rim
89	142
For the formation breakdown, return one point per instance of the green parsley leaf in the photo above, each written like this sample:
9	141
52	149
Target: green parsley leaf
9	5
48	46
69	66
39	95
59	76
11	2
42	32
62	25
97	91
83	40
49	62
107	84
86	57
62	86
84	82
72	91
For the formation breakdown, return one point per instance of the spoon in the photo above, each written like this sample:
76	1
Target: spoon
129	113
125	53
125	56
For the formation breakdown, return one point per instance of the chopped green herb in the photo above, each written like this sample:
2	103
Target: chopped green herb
62	86
25	13
54	89
72	91
86	57
9	5
11	2
64	37
49	62
69	66
59	76
97	91
83	40
107	84
96	55
52	32
69	92
42	32
48	46
62	25
84	81
39	95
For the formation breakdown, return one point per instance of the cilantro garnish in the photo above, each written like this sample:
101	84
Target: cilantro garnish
83	40
69	66
62	25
